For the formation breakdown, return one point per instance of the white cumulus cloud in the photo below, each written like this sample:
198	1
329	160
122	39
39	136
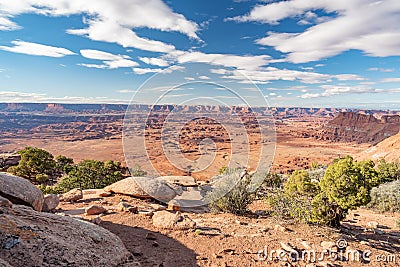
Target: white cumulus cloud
109	61
36	49
370	26
107	20
391	80
154	61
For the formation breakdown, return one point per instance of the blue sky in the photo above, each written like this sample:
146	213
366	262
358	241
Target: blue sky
298	53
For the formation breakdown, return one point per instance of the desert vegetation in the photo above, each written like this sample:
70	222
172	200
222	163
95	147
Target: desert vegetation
318	195
61	174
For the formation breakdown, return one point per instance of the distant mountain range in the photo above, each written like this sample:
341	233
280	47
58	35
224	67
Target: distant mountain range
98	108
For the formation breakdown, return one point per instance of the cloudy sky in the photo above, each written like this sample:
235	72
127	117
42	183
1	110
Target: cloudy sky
299	53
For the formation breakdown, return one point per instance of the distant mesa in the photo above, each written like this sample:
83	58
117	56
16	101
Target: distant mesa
54	108
360	127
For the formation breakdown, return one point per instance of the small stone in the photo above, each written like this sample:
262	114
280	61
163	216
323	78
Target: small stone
146	213
364	243
151	236
280	228
173	221
123	206
133	210
155	244
105	194
95	210
207	231
96	220
173	205
157	207
227	250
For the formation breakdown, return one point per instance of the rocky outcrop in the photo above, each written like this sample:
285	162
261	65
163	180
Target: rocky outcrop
20	191
143	187
359	128
43	239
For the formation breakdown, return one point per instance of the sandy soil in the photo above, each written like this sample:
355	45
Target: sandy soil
229	240
291	152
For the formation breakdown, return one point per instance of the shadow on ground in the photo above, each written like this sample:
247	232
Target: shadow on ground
384	240
153	248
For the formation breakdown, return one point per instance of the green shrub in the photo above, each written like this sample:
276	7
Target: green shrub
345	185
285	206
386	197
300	183
387	171
46	189
222	170
137	171
231	193
90	174
64	165
42	178
323	211
398	223
315	165
265	182
272	180
34	161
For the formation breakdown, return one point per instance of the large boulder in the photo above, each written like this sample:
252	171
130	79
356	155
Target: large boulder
143	187
50	203
20	191
172	221
44	239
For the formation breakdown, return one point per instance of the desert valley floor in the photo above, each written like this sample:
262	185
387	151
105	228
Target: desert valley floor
303	136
